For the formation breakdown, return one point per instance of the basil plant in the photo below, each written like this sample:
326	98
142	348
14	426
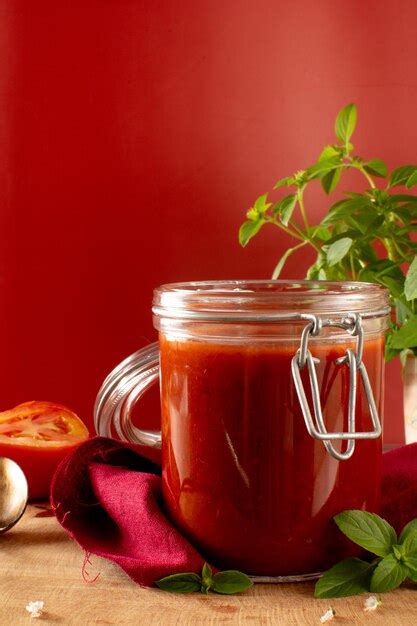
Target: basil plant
368	236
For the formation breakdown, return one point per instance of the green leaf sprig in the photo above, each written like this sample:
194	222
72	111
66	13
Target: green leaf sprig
368	236
227	582
396	557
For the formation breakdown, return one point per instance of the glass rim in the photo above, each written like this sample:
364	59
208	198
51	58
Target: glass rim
268	300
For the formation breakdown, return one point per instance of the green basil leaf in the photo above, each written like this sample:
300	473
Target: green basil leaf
249	229
345	208
375	224
380	198
180	583
287	181
402	313
412	575
397	551
376	167
314	270
329	152
412	180
330	180
408	538
364	221
368	530
411	563
366	275
390	353
285	208
400	232
353	234
366	251
401	174
388	574
345	123
319	232
408	529
390	283
206	578
341	227
347	578
261	205
410	285
404	212
231	581
322	167
338	250
253	214
206	571
332	273
358	196
403	197
388	267
406	336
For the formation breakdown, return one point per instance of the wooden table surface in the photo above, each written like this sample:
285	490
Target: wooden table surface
38	561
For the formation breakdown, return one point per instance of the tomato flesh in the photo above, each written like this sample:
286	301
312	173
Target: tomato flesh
37	435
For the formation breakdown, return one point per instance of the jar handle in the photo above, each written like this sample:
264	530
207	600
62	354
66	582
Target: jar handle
123	387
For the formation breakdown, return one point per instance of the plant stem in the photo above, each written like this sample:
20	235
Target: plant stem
398	248
306	237
314	245
388	247
359	167
352	266
283	259
290	232
300	198
389	269
368	178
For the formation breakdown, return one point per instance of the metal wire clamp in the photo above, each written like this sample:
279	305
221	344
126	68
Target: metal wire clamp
352	323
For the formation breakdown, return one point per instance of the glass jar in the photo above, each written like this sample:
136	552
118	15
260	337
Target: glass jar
271	393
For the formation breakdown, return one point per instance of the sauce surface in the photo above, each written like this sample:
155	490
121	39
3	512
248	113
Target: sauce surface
241	476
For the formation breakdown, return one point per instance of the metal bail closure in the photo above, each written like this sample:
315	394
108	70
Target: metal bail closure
352	323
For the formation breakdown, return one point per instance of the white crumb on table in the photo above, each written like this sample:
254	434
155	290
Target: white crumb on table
327	616
371	603
35	608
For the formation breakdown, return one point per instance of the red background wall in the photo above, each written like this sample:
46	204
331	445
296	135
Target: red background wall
134	134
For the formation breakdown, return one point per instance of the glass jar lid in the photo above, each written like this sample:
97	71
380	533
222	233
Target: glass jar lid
268	300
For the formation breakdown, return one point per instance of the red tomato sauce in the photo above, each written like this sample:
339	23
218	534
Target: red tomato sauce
242	478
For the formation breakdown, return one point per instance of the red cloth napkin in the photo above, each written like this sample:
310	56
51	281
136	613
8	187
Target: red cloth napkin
108	498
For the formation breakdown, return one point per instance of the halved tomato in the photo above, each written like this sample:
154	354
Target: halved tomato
37	435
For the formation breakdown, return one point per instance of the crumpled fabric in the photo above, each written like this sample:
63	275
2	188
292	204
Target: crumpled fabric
108	498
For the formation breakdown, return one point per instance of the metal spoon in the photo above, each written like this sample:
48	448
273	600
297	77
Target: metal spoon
13	493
